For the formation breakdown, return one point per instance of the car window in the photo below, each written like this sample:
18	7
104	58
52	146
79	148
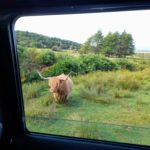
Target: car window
87	75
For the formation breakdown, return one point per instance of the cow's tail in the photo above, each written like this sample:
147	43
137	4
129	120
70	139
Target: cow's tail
45	78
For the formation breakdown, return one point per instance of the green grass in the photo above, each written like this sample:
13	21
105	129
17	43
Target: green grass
113	106
100	131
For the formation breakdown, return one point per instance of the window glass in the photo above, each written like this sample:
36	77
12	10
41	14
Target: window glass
87	75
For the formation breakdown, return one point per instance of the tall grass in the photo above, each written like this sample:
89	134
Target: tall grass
34	90
122	94
39	106
100	87
105	87
128	81
104	98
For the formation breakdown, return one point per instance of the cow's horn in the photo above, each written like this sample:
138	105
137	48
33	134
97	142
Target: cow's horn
45	78
69	74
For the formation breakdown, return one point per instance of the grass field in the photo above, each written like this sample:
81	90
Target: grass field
111	106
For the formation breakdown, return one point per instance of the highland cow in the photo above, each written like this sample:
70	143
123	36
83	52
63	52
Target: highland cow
60	86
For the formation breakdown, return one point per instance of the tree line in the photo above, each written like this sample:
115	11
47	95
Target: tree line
114	44
34	40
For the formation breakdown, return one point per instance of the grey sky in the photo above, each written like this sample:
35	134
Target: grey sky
79	27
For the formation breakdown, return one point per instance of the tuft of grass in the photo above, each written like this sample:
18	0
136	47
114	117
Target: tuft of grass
127	80
34	90
147	87
129	83
40	106
45	100
95	97
86	131
122	94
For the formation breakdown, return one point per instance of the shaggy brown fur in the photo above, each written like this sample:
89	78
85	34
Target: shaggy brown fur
60	86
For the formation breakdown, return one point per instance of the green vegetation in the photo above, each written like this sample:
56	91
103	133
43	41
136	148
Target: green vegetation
114	44
111	105
110	98
34	40
52	63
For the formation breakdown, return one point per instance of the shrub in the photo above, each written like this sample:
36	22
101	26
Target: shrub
32	62
129	83
32	76
21	52
64	66
46	58
63	57
55	48
27	64
90	63
125	64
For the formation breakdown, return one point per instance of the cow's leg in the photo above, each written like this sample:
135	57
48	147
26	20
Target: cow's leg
66	99
56	98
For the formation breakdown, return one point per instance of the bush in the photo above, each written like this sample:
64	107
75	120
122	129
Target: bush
125	64
64	66
32	76
81	65
46	58
21	52
63	57
55	48
90	63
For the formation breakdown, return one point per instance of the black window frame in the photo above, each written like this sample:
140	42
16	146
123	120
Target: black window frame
14	132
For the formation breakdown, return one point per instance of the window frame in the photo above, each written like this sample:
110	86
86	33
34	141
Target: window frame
13	118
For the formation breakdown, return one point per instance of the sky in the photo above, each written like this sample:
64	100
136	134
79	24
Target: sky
79	27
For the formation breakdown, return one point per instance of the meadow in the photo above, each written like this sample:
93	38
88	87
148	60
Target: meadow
112	104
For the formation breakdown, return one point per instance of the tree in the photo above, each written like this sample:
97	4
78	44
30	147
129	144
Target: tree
85	48
93	44
55	48
34	40
96	41
126	46
110	44
119	45
114	44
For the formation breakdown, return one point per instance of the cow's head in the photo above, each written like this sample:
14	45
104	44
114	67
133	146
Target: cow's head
56	82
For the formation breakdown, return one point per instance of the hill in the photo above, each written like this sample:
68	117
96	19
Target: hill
29	39
142	51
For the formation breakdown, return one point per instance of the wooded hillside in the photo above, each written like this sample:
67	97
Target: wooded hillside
28	39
